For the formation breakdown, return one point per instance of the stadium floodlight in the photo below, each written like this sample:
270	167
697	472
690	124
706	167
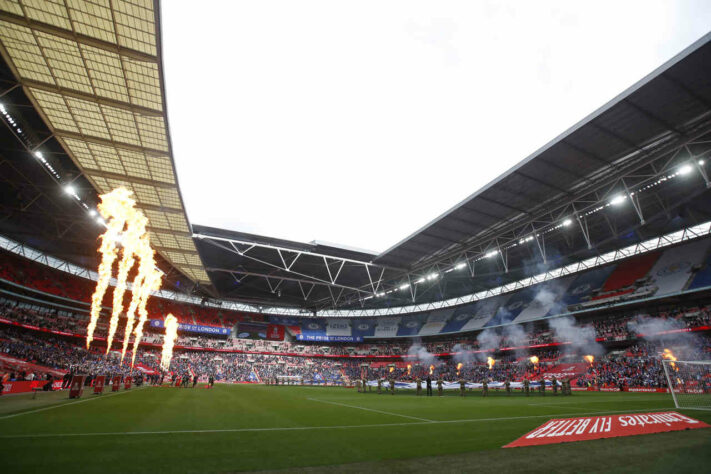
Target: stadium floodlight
684	170
69	189
567	222
432	276
701	162
39	155
460	265
420	280
92	213
404	286
492	253
617	200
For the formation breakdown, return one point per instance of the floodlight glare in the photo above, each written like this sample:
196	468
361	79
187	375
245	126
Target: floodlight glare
492	253
460	265
617	200
405	286
69	189
432	276
686	169
567	222
92	213
701	162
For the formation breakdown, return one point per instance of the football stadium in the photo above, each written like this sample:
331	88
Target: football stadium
557	319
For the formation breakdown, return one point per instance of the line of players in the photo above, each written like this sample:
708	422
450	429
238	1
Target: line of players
362	386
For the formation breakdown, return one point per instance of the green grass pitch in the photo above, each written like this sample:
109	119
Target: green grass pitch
316	429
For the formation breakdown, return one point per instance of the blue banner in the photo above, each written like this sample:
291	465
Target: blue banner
324	338
158	323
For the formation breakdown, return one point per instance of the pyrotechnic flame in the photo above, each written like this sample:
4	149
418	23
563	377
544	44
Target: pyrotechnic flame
589	359
490	361
145	267
409	368
391	369
171	334
431	369
131	241
533	359
111	207
668	354
152	283
459	367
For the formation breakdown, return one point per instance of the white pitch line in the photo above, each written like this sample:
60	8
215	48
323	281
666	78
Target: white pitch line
370	409
67	404
308	428
554	406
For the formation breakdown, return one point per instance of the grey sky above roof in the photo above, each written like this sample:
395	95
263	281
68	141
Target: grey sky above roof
358	124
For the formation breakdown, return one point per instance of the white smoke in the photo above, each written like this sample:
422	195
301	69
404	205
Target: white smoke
581	338
516	336
462	354
422	355
547	298
488	339
650	328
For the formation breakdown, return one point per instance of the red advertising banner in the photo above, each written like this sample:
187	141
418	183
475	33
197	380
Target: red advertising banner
127	383
565	430
275	332
99	382
116	383
77	386
27	386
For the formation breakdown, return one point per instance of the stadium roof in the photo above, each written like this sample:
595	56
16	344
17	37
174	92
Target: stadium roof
552	208
94	73
94	76
666	108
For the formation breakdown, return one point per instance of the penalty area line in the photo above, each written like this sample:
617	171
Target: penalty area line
314	428
371	409
60	405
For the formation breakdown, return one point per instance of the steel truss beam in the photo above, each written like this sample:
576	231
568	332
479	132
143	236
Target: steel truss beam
283	259
646	166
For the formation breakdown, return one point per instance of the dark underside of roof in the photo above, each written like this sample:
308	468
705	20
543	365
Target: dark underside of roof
34	210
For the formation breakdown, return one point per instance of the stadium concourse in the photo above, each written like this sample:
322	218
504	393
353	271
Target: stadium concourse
571	293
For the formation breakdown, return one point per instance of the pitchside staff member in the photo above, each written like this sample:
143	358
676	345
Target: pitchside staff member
429	386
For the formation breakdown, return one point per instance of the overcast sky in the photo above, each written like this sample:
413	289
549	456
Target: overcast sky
358	122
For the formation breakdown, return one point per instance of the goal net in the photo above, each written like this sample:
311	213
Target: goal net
689	383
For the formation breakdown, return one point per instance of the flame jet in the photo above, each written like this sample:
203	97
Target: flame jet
589	358
490	361
135	228
152	283
171	334
533	359
112	208
145	266
669	355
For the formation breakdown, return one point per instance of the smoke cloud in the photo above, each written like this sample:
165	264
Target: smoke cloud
417	351
462	354
488	339
650	327
581	338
